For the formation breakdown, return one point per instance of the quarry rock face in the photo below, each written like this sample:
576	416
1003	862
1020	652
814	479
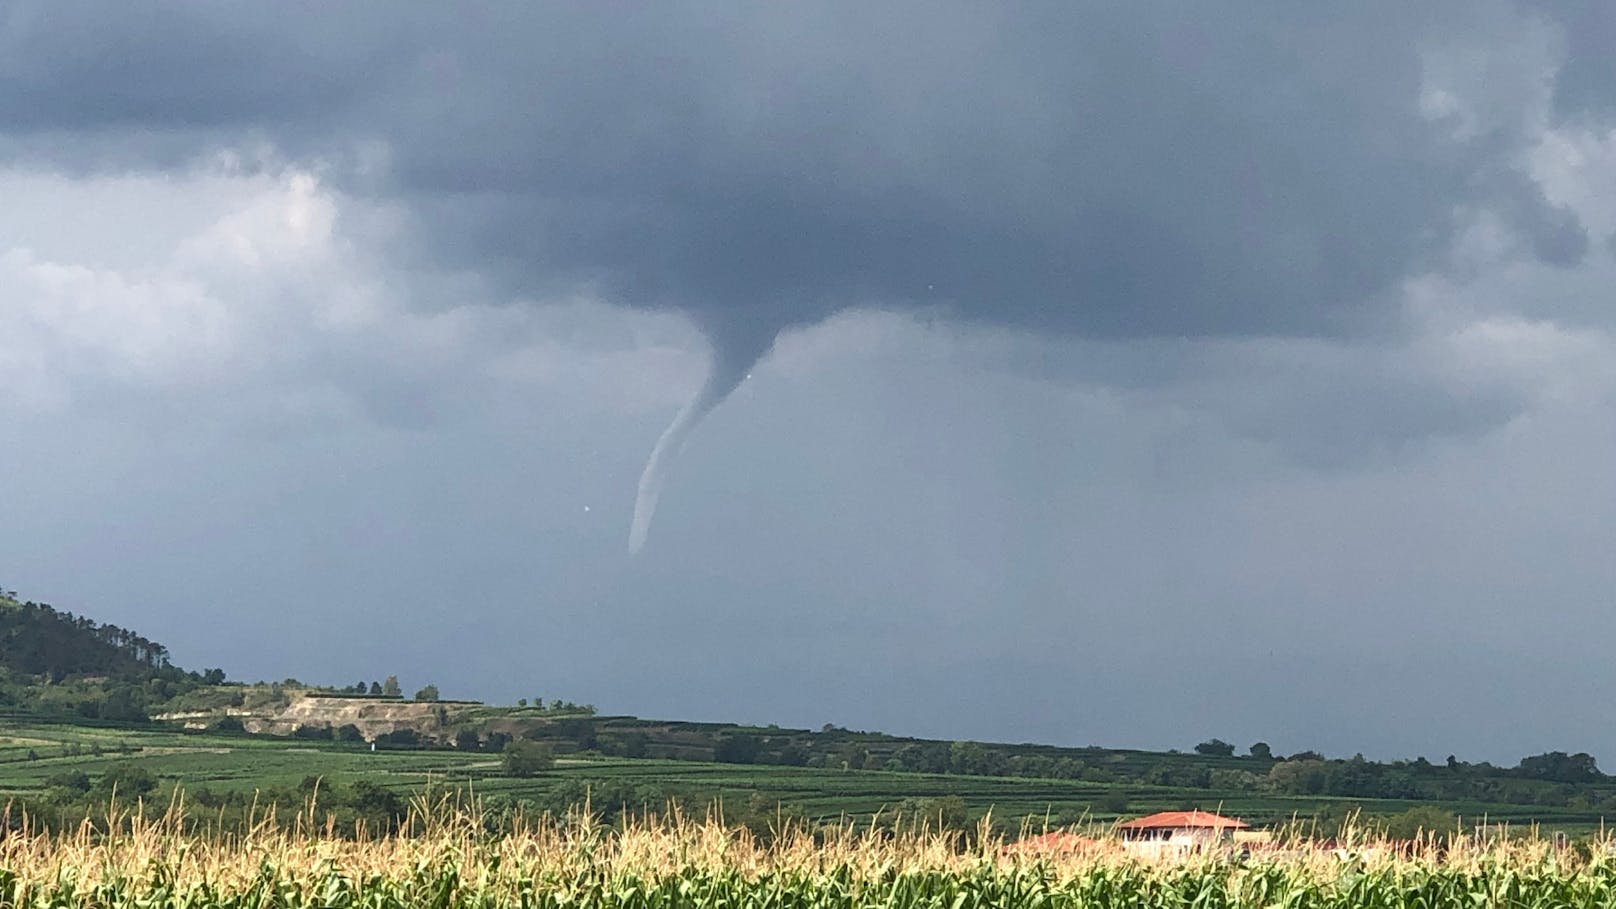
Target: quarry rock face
372	717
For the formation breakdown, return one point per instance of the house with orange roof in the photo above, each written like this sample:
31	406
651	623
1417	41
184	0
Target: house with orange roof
1178	831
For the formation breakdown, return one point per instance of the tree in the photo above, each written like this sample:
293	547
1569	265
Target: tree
966	757
376	688
429	693
72	780
468	740
579	730
1178	775
403	737
348	732
1215	747
1560	767
122	704
1296	777
852	756
1114	801
390	688
634	745
379	807
525	758
131	780
1262	752
928	758
737	749
1422	821
947	812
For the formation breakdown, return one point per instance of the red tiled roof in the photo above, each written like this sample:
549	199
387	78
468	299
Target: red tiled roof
1183	819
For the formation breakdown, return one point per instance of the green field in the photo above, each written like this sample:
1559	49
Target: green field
32	752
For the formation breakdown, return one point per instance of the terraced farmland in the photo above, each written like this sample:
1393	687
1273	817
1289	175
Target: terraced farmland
32	754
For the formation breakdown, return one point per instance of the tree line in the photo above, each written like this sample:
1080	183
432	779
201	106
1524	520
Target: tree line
56	663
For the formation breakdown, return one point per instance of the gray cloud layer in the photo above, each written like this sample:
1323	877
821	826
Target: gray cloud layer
1106	169
1271	340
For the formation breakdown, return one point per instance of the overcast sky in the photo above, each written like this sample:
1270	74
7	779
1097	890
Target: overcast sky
1123	374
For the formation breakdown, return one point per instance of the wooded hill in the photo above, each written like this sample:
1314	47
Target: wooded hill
55	662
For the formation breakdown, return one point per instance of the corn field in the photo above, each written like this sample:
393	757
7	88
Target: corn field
446	859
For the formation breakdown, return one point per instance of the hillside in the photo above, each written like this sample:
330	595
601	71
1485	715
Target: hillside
63	771
53	662
1555	787
36	639
62	668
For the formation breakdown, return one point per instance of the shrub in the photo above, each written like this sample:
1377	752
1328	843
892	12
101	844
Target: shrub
128	780
523	758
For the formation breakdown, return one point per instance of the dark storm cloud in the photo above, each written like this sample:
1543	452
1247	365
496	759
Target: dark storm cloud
1108	169
87	67
230	378
1586	84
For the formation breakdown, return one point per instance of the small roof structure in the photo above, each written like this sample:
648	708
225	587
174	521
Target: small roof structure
1181	819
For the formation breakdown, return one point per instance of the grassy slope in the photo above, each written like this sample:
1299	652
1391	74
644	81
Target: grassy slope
239	763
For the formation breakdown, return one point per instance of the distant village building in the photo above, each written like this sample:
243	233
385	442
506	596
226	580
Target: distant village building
1179	831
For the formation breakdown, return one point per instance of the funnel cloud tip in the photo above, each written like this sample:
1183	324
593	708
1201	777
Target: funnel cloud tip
730	366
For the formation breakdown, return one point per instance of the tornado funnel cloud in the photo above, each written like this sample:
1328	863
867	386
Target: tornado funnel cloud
727	370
